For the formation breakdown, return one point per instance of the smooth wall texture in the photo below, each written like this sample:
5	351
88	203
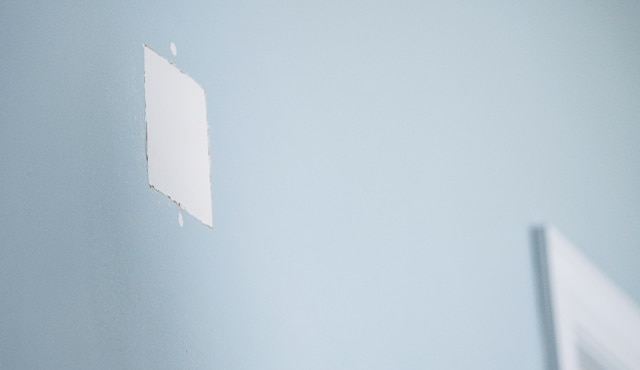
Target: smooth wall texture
376	167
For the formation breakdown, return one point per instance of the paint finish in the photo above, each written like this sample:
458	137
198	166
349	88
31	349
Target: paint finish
376	168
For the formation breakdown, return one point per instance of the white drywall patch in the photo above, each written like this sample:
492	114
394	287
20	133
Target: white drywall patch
177	136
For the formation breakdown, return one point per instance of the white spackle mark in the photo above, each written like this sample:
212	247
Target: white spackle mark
173	48
180	219
177	136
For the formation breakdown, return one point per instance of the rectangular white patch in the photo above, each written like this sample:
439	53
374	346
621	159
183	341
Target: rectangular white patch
177	136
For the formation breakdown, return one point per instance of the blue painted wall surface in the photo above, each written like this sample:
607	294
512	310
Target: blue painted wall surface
376	166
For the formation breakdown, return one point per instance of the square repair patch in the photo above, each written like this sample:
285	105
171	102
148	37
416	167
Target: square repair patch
177	136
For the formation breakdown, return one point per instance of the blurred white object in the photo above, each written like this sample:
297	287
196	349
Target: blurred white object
590	324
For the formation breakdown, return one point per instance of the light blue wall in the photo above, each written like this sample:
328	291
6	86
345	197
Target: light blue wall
376	166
